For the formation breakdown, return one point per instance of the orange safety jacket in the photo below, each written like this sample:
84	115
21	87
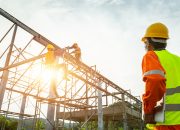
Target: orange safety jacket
155	86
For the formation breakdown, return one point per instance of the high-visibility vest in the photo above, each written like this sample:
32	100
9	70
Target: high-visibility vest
50	57
171	64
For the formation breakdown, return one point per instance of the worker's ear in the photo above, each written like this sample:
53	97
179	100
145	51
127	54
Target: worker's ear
148	46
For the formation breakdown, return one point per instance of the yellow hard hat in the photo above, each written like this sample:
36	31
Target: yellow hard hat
49	46
156	30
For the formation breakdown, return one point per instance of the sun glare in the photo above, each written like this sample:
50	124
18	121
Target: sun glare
48	74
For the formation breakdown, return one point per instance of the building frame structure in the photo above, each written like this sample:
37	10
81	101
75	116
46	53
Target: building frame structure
87	92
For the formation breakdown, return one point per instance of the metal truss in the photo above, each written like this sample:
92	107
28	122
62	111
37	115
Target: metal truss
22	67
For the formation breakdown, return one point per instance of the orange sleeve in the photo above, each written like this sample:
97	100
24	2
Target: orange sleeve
155	85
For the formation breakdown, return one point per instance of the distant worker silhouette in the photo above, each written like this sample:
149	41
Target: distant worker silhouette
161	74
76	52
51	61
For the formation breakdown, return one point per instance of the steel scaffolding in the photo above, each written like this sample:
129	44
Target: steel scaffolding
87	96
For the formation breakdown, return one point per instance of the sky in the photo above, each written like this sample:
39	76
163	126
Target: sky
109	32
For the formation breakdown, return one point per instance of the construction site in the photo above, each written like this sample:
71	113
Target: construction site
86	101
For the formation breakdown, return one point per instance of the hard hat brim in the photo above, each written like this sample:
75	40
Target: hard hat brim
143	39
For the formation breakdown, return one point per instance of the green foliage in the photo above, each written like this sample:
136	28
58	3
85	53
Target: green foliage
7	123
40	125
92	125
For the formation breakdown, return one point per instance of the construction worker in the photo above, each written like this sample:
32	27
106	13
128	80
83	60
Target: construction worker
76	52
161	74
50	55
51	59
52	63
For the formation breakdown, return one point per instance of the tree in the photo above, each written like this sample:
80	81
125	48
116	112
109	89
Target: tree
8	124
40	125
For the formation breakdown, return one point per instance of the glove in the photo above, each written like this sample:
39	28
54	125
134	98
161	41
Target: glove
149	119
67	47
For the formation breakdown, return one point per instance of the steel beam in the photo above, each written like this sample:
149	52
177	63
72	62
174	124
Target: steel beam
6	72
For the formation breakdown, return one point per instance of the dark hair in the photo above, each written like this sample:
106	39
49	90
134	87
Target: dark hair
157	45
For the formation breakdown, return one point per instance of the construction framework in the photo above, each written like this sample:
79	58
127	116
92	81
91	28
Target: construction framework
26	92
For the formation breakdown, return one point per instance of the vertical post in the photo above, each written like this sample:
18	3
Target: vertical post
124	113
22	112
100	110
57	119
65	94
6	72
86	113
106	96
140	116
51	107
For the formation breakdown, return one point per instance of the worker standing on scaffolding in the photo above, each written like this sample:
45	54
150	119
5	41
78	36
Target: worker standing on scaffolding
51	62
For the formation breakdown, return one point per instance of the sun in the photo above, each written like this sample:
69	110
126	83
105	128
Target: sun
49	74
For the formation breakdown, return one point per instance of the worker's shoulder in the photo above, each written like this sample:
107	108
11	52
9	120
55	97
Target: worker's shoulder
150	54
150	57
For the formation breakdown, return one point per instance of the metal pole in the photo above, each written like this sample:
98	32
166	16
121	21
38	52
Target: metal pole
65	89
124	113
57	119
100	110
87	102
22	112
51	107
6	72
22	62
